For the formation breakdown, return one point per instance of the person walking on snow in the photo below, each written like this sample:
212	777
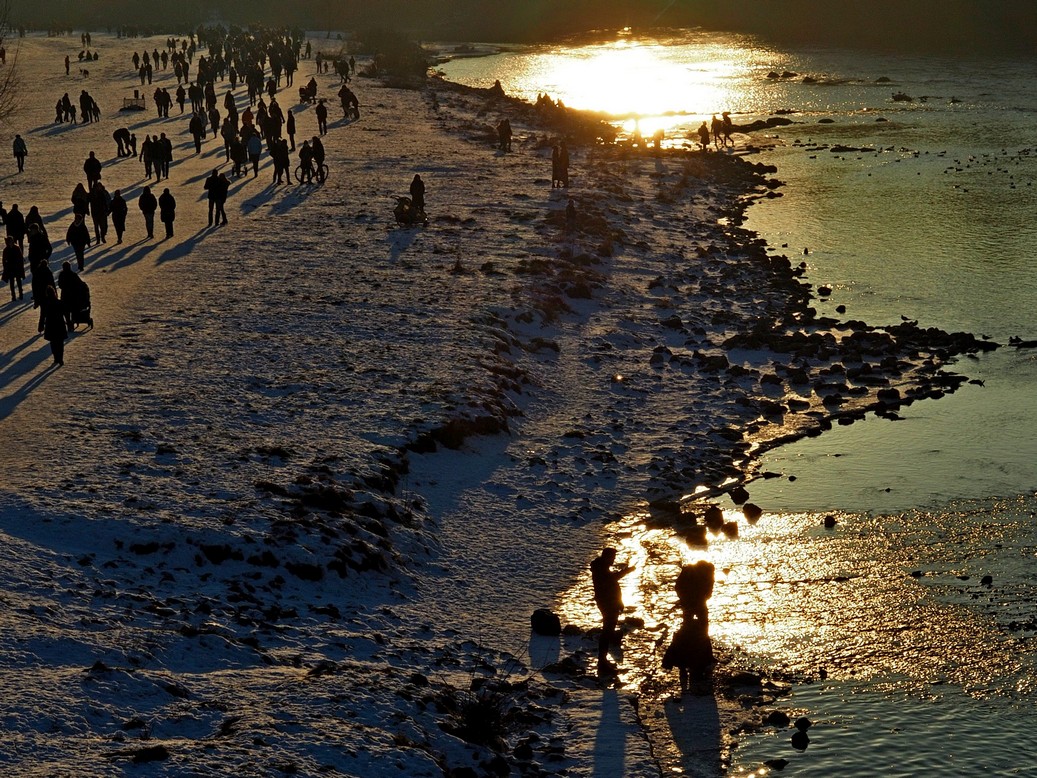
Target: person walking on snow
20	152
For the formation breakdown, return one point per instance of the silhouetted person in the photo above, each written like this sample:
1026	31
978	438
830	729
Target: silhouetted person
691	650
148	204
119	211
321	112
609	598
167	210
417	193
78	237
14	266
52	322
92	169
694	587
122	140
20	152
289	129
703	132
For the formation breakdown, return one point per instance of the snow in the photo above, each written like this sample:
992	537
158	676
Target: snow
213	537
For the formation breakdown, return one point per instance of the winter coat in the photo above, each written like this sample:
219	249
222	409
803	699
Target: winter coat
14	263
147	202
15	224
54	327
119	209
167	207
39	248
20	149
78	236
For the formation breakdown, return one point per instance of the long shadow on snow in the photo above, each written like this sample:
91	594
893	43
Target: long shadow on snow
27	363
182	249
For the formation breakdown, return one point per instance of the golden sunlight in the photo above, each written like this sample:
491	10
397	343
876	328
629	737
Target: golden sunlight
641	82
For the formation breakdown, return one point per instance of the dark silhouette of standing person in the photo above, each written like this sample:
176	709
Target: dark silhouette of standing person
289	128
609	598
15	222
563	163
217	195
78	237
197	129
148	204
92	169
167	210
100	207
417	193
119	211
20	152
41	275
14	266
321	112
703	132
52	321
691	650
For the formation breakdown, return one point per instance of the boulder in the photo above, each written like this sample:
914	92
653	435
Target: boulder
544	622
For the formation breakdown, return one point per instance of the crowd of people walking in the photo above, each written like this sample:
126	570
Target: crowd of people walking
263	61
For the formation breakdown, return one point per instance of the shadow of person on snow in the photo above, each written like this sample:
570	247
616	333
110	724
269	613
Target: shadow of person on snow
609	741
695	726
182	249
25	364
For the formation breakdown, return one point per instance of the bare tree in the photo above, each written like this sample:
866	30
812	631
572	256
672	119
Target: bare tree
9	93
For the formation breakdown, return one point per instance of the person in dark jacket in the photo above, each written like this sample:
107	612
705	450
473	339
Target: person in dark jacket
41	279
212	186
197	129
100	207
78	237
119	211
34	217
167	210
14	266
52	323
75	297
20	152
290	129
148	204
80	200
39	245
15	222
92	169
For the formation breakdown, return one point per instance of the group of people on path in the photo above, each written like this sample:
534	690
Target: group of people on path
64	301
691	650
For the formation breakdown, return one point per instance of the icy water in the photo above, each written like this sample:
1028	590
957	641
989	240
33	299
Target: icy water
925	212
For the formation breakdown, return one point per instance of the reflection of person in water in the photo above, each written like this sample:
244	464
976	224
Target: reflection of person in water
691	650
609	598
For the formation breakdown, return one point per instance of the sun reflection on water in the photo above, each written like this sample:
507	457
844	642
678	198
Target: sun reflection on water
644	83
803	599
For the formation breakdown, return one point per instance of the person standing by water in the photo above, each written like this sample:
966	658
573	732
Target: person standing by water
703	132
609	598
20	152
691	650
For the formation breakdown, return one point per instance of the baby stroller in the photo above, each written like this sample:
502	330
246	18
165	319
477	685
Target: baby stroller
77	305
308	93
407	214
